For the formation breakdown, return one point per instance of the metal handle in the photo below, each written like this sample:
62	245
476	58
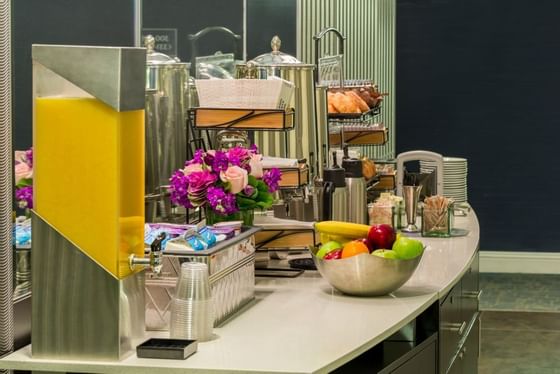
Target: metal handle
420	155
462	353
194	38
472	294
317	38
457	327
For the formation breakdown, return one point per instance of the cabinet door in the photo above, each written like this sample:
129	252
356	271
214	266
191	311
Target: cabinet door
470	349
457	367
424	362
470	292
451	327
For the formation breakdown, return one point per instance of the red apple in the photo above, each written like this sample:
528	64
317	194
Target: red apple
333	255
367	243
382	236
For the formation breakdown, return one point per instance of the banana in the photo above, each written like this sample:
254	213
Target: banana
337	238
342	229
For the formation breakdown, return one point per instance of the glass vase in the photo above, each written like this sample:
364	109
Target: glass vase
246	216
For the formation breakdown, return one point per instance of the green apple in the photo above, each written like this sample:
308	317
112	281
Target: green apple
407	248
328	247
385	253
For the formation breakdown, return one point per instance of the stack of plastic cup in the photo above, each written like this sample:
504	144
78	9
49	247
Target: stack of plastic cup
192	314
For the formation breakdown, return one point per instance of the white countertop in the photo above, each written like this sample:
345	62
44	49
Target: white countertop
300	325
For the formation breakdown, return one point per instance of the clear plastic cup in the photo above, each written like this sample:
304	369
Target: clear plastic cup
192	313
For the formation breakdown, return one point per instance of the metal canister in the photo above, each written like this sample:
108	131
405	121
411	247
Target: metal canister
301	142
166	128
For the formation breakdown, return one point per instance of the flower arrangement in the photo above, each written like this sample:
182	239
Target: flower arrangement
23	170
226	181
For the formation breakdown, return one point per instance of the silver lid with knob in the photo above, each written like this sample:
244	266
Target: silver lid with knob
276	57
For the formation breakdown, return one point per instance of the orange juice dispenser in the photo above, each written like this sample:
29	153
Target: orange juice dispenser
88	218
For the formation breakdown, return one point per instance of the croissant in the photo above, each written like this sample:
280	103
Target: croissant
368	168
358	101
344	104
364	94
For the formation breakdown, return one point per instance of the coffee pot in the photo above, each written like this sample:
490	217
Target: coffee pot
338	198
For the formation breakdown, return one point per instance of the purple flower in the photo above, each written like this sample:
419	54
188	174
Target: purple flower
178	189
249	190
24	196
197	159
254	149
221	202
29	157
238	156
220	162
271	178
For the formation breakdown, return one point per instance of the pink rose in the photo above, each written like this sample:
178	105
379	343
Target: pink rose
256	166
23	171
19	156
237	177
189	169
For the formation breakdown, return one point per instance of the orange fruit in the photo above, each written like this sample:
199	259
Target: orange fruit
354	248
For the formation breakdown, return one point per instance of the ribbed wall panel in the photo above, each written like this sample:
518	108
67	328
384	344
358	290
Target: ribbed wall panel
369	27
6	169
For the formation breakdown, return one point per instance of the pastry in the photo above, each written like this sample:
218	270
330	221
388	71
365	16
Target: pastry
344	104
364	94
358	100
330	106
368	168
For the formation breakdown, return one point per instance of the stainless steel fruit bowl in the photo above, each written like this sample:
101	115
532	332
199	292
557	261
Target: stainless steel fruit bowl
366	275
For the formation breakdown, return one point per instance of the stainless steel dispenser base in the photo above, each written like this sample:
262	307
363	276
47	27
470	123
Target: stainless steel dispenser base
79	310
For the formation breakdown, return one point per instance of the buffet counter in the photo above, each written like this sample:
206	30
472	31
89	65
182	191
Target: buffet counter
300	325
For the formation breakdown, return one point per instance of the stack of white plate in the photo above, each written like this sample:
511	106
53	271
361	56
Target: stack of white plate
454	176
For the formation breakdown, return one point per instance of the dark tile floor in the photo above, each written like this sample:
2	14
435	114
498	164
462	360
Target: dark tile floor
520	342
520	324
520	292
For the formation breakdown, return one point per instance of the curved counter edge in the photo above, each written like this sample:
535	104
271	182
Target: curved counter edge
300	325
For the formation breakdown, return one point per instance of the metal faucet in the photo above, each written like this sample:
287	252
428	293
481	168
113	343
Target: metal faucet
155	261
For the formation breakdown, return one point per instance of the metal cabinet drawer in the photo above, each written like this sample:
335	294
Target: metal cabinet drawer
459	316
456	368
424	362
470	292
451	327
470	350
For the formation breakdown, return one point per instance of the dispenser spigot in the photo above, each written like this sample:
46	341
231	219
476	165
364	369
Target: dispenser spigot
154	261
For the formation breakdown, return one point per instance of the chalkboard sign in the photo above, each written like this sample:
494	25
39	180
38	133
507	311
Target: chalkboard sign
84	22
166	40
479	79
191	16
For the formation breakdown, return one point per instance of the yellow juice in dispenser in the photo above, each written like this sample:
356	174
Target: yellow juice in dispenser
89	177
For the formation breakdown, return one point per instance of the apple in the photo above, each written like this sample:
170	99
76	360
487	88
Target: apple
381	236
385	253
328	247
334	255
367	243
407	248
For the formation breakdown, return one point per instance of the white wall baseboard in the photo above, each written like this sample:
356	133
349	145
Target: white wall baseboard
520	262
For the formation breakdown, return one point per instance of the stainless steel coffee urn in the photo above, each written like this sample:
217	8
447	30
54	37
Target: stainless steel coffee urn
301	142
166	128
